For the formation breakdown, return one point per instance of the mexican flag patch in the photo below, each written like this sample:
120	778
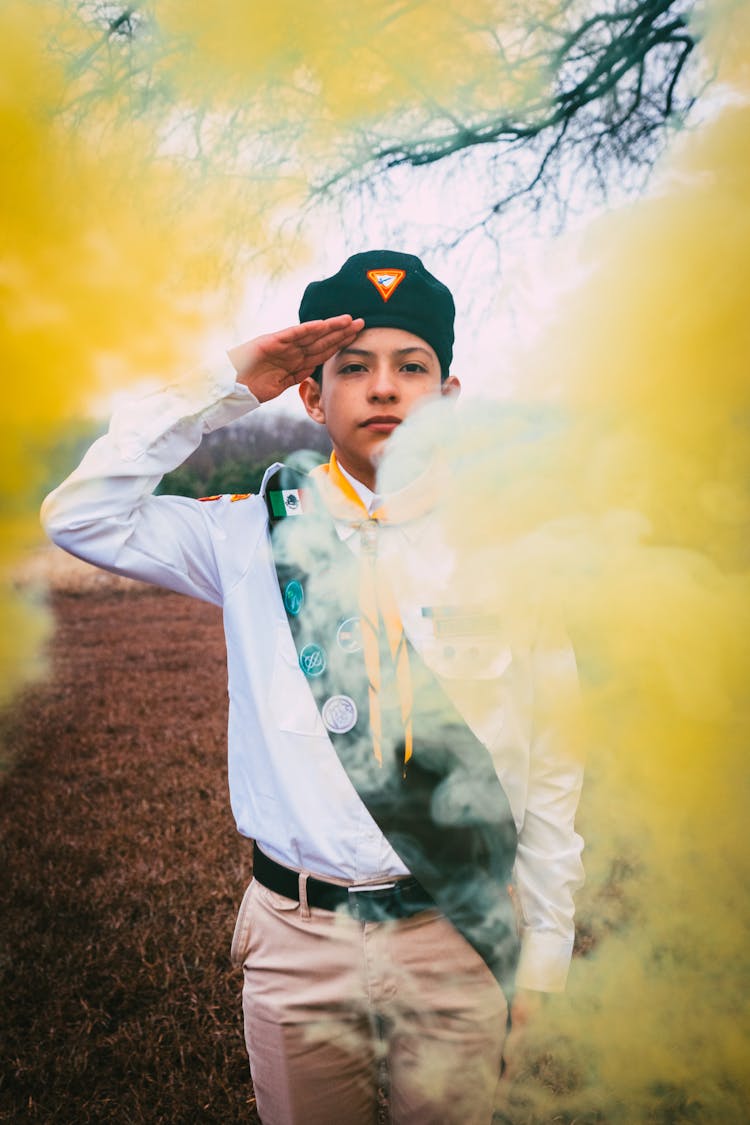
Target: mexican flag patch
288	502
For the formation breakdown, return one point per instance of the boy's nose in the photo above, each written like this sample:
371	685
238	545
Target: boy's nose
383	384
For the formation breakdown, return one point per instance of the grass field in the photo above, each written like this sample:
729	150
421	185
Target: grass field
122	869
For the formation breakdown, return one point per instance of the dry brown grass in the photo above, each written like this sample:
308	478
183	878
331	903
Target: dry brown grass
122	870
47	568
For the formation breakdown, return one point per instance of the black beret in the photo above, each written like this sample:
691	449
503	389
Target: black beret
388	290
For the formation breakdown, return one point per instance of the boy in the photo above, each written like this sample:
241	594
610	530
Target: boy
378	923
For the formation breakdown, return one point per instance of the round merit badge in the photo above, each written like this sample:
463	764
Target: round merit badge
339	714
349	635
294	597
312	660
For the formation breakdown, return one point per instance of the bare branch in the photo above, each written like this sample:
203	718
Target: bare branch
613	78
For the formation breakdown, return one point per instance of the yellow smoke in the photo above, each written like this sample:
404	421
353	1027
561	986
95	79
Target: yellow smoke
618	494
140	173
112	260
339	64
617	491
660	369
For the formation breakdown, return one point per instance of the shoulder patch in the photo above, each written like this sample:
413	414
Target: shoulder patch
240	496
288	502
203	499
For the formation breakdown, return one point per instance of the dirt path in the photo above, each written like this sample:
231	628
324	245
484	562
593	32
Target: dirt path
122	871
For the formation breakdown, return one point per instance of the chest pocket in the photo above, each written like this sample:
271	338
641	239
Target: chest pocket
292	701
485	679
462	646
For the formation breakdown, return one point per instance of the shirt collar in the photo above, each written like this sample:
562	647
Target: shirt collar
423	487
370	499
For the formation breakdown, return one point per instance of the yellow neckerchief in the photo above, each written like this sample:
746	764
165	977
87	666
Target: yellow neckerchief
376	601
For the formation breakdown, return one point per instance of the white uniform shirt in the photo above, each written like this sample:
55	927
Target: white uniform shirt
288	789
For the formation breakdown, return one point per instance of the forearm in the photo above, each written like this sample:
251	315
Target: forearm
104	511
146	439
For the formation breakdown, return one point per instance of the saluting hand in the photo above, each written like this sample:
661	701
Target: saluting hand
268	365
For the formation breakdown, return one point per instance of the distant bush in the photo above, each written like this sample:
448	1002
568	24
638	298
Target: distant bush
235	458
232	459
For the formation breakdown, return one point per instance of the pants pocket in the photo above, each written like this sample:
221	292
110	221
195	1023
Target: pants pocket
241	937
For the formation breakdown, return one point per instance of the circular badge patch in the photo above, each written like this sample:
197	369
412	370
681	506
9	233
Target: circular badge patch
312	660
349	635
294	597
339	714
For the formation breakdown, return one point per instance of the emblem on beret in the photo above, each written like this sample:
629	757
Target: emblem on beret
339	714
386	281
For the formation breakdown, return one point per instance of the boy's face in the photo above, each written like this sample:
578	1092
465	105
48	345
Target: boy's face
368	389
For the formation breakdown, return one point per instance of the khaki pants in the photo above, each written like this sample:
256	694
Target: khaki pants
327	997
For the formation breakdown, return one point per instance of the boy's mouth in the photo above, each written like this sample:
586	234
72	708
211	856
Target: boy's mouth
381	423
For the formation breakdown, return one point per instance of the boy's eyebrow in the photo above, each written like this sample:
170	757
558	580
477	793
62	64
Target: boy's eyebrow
355	351
396	351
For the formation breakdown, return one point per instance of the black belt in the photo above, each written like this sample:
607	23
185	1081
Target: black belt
404	898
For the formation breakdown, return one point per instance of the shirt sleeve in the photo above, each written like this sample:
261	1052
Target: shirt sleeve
105	513
548	861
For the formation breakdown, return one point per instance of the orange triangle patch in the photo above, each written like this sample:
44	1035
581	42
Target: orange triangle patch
386	281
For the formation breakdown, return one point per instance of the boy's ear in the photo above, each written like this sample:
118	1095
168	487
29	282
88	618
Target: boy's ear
451	386
309	392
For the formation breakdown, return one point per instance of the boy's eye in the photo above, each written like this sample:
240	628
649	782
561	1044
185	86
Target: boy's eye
413	367
352	368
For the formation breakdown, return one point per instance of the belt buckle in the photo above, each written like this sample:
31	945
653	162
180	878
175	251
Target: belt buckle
371	887
378	906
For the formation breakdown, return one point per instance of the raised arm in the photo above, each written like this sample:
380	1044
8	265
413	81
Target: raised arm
105	512
269	365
